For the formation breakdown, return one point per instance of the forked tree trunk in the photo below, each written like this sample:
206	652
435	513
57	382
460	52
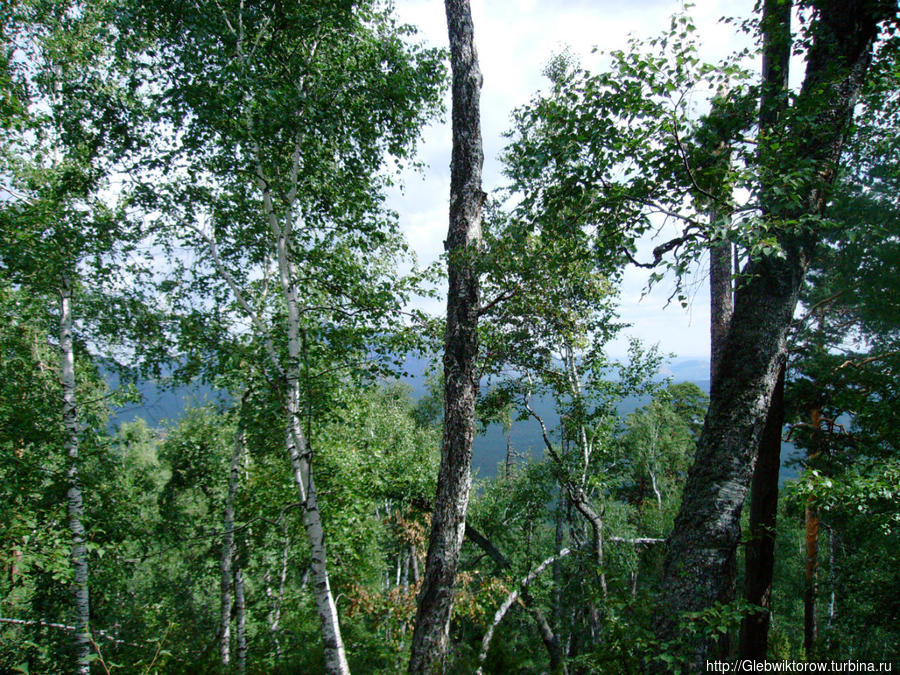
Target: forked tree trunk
76	505
760	550
699	568
435	600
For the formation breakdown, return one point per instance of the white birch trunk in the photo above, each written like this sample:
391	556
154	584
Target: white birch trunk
275	603
298	450
225	563
75	502
241	616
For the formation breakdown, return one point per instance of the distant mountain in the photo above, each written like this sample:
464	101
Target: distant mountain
161	402
167	403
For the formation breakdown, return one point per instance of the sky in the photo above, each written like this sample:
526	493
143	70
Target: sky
515	39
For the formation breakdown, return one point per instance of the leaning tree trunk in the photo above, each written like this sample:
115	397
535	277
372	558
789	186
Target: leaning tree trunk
435	601
760	550
301	461
699	567
76	504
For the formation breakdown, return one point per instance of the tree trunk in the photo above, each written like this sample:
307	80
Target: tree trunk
276	601
549	638
720	300
432	626
811	569
699	568
508	602
240	607
760	550
76	505
225	562
301	462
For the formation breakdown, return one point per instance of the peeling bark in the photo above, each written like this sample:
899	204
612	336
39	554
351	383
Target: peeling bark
79	557
435	600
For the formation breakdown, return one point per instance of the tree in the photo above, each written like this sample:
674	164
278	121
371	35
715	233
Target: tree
435	600
282	117
701	550
60	237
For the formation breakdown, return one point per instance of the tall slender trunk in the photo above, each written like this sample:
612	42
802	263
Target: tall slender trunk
301	461
699	567
240	607
811	565
760	550
435	601
414	564
225	562
75	502
811	574
275	602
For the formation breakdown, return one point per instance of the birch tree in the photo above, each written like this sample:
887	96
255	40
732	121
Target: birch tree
60	238
282	116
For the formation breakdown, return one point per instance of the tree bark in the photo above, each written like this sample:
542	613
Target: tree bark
75	502
760	550
811	570
699	568
225	562
301	461
435	600
720	301
240	607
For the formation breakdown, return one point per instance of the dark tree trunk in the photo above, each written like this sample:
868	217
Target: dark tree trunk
760	551
699	568
720	300
435	600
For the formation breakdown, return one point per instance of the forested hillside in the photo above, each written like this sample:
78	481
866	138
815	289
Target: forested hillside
233	440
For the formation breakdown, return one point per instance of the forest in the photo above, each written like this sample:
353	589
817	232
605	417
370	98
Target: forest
194	197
